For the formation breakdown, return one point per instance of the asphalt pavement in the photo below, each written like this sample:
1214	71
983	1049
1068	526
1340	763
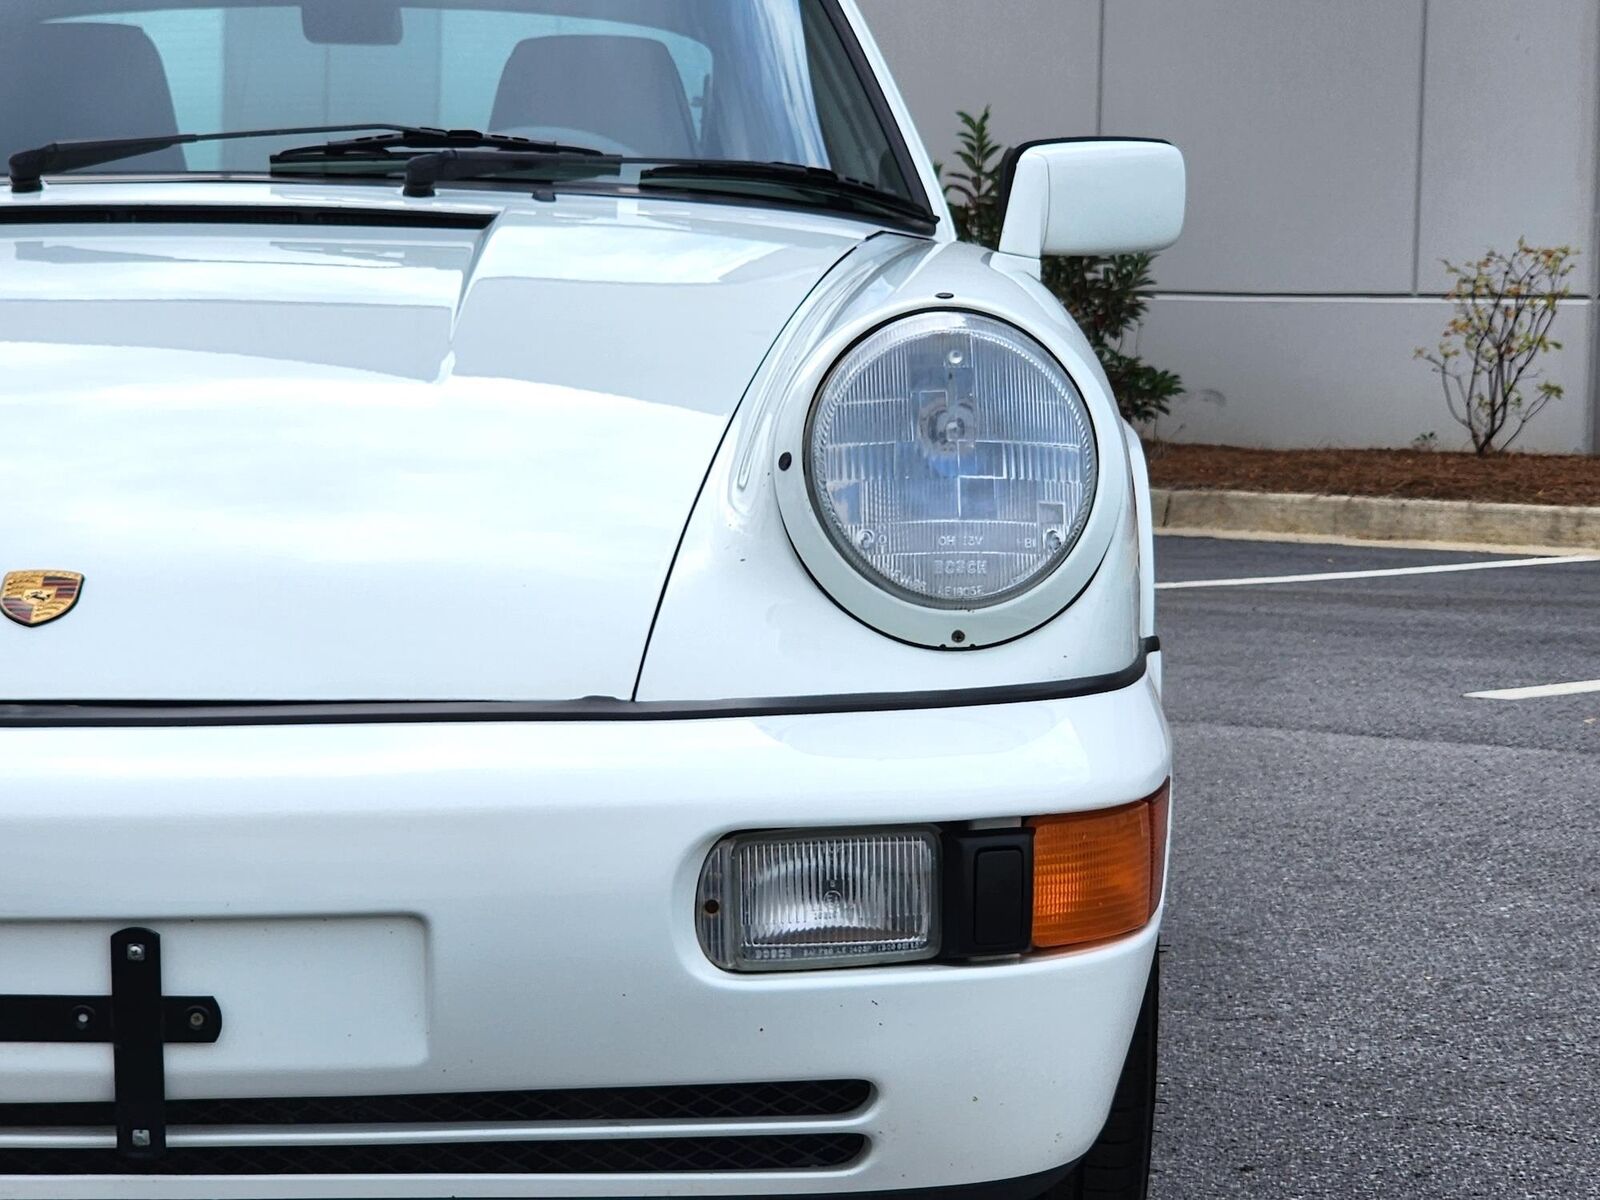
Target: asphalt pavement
1382	963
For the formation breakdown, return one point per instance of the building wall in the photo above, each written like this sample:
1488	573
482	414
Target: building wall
1337	152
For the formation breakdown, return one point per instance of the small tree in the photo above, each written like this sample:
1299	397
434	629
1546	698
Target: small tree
1505	305
1108	297
976	186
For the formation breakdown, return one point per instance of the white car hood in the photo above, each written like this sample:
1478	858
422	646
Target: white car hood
302	463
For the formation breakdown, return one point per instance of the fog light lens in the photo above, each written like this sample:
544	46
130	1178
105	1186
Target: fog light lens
1098	875
791	901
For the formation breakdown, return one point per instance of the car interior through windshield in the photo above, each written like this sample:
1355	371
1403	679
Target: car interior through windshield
717	80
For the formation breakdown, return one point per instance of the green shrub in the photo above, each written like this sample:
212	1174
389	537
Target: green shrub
1504	307
1106	296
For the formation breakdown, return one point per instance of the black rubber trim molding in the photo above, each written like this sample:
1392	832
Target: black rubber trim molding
744	1153
238	214
825	1152
163	713
702	1102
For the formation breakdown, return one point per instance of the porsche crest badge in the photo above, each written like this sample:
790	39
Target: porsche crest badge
37	597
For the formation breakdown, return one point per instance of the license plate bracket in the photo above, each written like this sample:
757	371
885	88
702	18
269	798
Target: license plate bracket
137	1020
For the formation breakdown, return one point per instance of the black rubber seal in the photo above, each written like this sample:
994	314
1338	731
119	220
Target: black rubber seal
1028	1187
239	214
181	713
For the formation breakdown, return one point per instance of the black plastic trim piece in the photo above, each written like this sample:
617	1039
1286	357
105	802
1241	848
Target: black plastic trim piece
1008	168
420	218
741	1153
239	214
807	1099
158	714
1028	1187
988	892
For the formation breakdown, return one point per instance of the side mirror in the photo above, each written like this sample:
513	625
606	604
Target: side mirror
1092	196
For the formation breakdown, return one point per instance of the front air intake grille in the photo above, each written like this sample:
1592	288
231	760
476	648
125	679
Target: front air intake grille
626	1153
708	1102
708	1155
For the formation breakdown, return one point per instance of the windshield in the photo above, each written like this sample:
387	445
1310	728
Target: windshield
744	80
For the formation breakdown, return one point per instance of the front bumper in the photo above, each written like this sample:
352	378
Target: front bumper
387	910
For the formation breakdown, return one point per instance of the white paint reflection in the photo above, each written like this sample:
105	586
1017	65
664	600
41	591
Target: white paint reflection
322	465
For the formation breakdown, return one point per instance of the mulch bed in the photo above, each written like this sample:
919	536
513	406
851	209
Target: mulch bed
1426	475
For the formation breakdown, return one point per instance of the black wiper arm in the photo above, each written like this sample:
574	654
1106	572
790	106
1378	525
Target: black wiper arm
818	179
29	167
425	170
424	139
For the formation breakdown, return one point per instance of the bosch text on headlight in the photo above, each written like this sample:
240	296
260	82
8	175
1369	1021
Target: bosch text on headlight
951	459
951	469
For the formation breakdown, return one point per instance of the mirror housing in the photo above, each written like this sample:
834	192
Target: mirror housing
1092	196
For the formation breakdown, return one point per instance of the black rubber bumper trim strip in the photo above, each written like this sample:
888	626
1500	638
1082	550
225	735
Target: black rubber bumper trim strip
157	714
100	1163
239	214
1028	1187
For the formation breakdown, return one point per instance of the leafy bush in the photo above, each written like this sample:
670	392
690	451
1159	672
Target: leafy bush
1106	296
1505	305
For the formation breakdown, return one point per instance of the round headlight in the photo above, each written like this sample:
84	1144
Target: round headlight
951	460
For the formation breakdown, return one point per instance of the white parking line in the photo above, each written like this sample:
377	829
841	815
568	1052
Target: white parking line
1539	693
1329	576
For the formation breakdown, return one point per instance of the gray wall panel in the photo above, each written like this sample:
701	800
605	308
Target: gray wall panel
1035	61
1292	373
1300	125
1308	126
1509	129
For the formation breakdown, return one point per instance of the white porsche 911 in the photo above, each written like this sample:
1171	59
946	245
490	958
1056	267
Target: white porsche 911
610	656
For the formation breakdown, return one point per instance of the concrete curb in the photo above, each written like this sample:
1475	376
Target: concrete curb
1377	519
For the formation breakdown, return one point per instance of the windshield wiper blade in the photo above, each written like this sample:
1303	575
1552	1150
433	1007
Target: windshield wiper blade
817	179
424	171
29	167
501	154
380	147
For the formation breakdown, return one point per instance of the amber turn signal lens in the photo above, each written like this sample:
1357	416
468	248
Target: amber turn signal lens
1098	875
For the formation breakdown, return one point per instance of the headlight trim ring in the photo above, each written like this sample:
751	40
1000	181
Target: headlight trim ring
876	602
933	335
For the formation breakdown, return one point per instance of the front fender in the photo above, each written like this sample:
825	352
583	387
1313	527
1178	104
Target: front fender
741	617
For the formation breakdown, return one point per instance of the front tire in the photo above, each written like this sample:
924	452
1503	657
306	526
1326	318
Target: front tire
1117	1166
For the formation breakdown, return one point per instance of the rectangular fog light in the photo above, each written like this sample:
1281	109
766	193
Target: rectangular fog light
820	898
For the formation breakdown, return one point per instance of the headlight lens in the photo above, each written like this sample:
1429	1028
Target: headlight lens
952	460
791	901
